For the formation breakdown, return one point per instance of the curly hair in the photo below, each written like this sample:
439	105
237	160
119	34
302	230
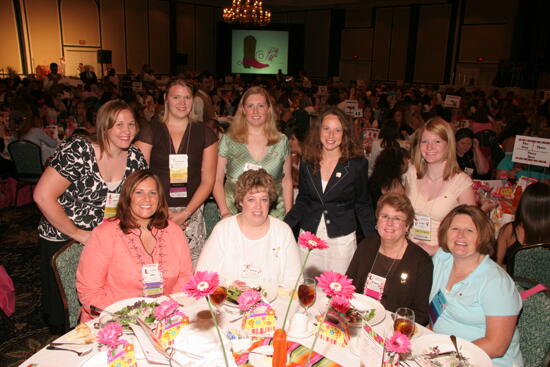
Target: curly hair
159	219
238	130
485	229
313	148
254	181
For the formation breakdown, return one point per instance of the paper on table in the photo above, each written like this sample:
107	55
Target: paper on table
201	340
371	346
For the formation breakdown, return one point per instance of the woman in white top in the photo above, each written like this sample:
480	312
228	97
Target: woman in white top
434	182
252	246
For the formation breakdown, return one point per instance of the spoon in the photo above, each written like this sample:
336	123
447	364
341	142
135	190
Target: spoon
458	354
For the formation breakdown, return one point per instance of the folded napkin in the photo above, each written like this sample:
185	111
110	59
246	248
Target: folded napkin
297	355
202	340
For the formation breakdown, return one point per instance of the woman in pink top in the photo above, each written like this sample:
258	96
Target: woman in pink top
137	253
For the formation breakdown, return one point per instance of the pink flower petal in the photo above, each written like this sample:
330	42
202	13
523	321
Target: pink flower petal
202	284
335	284
248	299
309	241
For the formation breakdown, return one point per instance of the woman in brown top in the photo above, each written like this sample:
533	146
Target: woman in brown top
183	153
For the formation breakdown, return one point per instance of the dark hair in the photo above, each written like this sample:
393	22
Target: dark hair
533	213
484	226
313	149
389	134
388	167
464	133
159	219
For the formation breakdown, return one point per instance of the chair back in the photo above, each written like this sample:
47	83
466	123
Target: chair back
533	262
533	324
27	158
64	265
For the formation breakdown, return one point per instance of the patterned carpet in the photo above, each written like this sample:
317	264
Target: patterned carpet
20	255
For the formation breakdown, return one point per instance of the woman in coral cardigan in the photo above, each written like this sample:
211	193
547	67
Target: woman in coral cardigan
137	253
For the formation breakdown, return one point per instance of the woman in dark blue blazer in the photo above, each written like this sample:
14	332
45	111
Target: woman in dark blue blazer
333	193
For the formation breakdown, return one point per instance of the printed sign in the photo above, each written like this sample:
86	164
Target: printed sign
452	101
351	105
532	150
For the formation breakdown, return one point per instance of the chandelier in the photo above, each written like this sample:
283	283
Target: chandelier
247	12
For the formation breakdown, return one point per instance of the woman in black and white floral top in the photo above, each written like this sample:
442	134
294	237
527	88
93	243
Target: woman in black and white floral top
80	187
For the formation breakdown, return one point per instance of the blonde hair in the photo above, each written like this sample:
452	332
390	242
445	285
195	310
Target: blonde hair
106	117
239	127
181	83
443	129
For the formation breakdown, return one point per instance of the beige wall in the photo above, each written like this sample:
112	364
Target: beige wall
112	32
10	56
44	32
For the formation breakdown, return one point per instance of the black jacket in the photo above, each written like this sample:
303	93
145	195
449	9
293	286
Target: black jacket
413	293
346	198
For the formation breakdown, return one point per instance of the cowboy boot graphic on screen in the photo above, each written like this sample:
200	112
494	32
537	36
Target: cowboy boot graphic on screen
249	58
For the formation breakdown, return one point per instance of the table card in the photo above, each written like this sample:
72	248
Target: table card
260	321
452	101
532	150
371	346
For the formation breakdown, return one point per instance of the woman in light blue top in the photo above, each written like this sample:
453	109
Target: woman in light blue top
472	297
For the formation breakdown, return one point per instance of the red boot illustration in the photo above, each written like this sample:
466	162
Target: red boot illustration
249	58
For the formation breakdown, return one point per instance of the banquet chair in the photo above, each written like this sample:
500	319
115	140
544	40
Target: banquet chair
533	262
64	265
27	158
533	324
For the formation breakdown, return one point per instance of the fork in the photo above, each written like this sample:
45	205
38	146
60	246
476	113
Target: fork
80	354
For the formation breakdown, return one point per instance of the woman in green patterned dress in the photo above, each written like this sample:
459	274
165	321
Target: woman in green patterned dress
253	142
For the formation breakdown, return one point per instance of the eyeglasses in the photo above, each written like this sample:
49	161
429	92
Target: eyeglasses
397	220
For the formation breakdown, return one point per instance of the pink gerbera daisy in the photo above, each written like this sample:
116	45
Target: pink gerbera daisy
202	284
335	284
340	304
310	241
109	335
165	309
398	343
248	299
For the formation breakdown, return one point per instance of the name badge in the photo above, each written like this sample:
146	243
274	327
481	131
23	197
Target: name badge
153	284
436	307
110	205
178	191
421	229
374	286
178	164
251	166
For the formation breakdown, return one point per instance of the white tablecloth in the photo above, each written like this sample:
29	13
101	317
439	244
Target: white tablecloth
343	356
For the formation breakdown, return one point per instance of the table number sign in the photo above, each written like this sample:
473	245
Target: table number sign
371	346
532	150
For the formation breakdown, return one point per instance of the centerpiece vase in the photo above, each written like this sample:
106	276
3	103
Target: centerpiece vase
279	348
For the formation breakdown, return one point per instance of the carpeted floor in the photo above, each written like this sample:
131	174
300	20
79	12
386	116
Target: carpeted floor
20	255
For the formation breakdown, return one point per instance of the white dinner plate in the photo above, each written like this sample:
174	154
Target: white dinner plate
474	355
364	303
262	357
271	290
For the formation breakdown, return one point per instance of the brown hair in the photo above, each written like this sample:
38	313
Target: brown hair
253	181
159	219
533	213
239	127
313	149
181	83
106	118
484	226
444	130
398	202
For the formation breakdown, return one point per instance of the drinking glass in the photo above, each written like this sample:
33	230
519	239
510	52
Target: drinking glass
403	321
217	298
307	293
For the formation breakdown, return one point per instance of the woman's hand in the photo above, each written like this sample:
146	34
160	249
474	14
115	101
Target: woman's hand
82	236
225	215
180	218
431	250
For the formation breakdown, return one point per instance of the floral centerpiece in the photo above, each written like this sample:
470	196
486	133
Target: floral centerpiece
310	242
203	284
120	353
339	290
259	317
397	345
169	322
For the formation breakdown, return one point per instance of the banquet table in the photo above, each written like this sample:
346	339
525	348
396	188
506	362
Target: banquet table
346	356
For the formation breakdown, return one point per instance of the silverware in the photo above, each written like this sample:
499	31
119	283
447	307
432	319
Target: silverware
80	354
55	344
458	354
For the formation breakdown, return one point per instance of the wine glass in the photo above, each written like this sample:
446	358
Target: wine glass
403	321
217	298
307	293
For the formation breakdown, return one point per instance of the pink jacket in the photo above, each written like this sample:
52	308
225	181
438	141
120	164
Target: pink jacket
110	265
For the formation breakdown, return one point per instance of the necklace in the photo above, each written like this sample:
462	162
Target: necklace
433	179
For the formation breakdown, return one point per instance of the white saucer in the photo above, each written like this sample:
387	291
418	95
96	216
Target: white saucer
302	334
